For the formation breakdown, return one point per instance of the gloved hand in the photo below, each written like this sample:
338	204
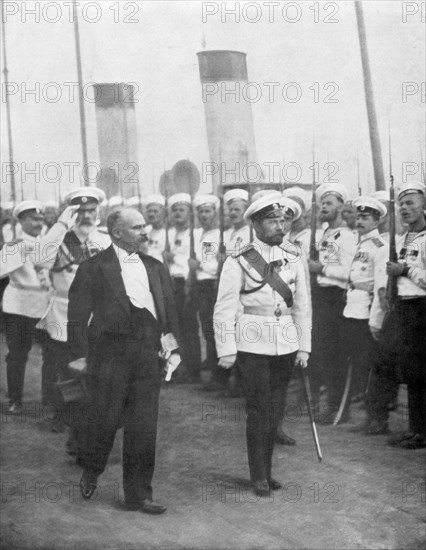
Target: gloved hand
302	358
79	366
68	216
172	364
227	361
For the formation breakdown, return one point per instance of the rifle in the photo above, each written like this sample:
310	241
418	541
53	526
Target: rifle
222	247
392	284
313	252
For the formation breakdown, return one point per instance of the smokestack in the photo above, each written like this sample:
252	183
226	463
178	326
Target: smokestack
229	119
117	140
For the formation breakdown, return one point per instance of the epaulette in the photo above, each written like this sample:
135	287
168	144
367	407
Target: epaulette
245	249
336	236
377	242
292	251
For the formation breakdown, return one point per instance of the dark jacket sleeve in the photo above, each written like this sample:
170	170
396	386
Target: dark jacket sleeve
80	308
172	323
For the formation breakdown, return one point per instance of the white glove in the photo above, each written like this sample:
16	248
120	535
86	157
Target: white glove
302	358
68	216
227	361
78	365
172	364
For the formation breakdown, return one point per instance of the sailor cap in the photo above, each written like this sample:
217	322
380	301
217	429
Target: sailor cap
336	189
154	199
235	195
179	198
201	200
382	196
411	187
370	204
299	195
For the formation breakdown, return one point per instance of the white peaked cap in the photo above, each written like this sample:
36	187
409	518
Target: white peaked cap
411	187
234	195
184	198
24	206
293	206
336	189
364	202
299	193
201	200
264	206
81	195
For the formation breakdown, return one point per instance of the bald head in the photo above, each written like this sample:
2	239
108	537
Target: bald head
127	229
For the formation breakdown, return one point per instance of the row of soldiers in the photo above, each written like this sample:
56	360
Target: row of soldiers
345	284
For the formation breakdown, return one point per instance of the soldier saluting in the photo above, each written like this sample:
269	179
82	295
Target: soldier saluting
262	315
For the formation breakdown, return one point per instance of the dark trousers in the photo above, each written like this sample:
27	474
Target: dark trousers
205	296
360	347
401	358
123	383
188	322
265	381
328	360
21	334
54	368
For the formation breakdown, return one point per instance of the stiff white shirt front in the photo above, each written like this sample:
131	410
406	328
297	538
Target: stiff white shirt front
135	279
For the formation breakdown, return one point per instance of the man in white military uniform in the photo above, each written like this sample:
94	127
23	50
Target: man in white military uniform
363	313
237	236
401	356
300	232
27	295
262	317
331	273
206	266
179	206
81	242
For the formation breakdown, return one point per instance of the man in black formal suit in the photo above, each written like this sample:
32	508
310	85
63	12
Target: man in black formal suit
120	304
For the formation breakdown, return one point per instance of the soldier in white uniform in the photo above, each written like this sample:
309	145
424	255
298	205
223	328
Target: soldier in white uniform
363	313
81	242
262	317
179	206
401	356
26	297
206	266
331	272
237	236
300	232
154	213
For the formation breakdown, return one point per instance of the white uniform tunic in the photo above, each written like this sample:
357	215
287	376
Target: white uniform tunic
157	243
260	322
236	239
336	251
180	247
54	319
206	244
362	300
26	263
414	255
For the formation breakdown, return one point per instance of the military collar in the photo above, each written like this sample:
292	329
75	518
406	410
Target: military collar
371	235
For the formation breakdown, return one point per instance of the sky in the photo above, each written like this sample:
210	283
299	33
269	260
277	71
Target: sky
154	46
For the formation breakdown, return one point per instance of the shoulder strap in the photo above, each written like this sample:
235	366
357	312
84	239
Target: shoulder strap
269	274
